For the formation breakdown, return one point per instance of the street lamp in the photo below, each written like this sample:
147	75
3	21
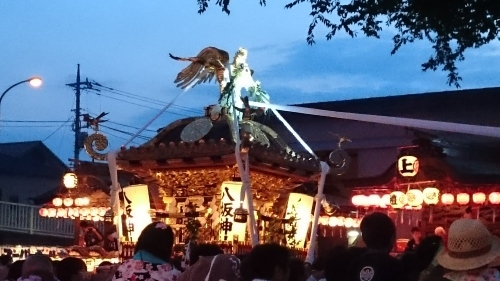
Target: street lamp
34	82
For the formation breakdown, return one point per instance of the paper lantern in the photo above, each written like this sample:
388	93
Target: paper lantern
96	218
68	202
447	198
84	212
102	211
357	200
414	197
479	197
431	195
230	230
374	200
62	213
340	221
95	211
333	221
463	198
349	222
85	201
385	201
397	199
57	202
43	212
140	217
357	222
494	198
70	180
300	206
52	213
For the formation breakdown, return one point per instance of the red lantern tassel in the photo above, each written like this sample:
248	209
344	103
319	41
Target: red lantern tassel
494	214
431	214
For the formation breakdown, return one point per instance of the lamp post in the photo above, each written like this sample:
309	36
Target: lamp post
34	82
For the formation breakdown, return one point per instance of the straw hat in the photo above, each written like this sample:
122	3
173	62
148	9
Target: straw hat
470	246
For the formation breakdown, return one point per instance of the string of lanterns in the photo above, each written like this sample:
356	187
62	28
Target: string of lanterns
92	213
415	198
346	222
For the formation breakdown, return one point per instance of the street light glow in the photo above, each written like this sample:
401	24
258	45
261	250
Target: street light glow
35	82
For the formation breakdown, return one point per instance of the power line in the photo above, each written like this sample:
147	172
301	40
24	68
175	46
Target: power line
125	132
31	126
56	130
33	121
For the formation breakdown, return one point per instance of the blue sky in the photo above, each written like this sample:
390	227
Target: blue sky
124	44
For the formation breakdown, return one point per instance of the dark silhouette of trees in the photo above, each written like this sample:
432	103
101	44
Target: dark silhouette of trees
451	26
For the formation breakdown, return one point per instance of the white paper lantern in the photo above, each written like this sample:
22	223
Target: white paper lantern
385	201
414	197
431	195
374	200
397	199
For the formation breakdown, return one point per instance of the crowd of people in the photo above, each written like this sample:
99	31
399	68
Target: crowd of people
470	253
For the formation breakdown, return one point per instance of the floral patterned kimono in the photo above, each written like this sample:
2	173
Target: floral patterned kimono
486	274
144	267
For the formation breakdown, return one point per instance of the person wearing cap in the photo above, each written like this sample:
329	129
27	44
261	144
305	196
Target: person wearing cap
376	264
471	249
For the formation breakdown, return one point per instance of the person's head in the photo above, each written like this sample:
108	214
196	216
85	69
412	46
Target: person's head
157	239
38	265
71	269
203	250
439	231
416	234
378	231
268	262
297	270
5	260
15	270
427	250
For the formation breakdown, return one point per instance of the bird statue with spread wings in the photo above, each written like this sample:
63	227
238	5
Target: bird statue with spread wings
208	63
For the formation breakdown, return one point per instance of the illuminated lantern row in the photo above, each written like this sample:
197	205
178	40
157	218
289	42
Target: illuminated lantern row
68	202
93	213
414	198
464	198
339	221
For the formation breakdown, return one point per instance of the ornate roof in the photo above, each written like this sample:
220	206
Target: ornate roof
173	165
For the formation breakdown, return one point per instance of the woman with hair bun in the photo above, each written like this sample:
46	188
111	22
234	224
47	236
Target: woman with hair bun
151	256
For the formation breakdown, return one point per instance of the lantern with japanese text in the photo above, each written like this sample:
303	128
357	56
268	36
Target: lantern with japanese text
408	166
463	198
299	207
139	205
447	198
431	195
431	198
229	229
68	202
397	199
414	197
479	198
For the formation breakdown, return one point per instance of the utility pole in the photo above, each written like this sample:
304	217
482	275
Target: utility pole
77	126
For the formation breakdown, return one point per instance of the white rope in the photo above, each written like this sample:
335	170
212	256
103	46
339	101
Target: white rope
396	121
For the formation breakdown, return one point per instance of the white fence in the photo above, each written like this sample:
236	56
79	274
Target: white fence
23	218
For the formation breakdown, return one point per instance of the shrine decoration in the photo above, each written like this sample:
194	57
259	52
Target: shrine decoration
494	199
70	180
414	198
431	198
447	198
229	230
408	166
299	208
463	198
138	213
385	201
397	199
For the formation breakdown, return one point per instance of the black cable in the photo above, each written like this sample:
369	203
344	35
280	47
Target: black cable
56	130
33	121
125	132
